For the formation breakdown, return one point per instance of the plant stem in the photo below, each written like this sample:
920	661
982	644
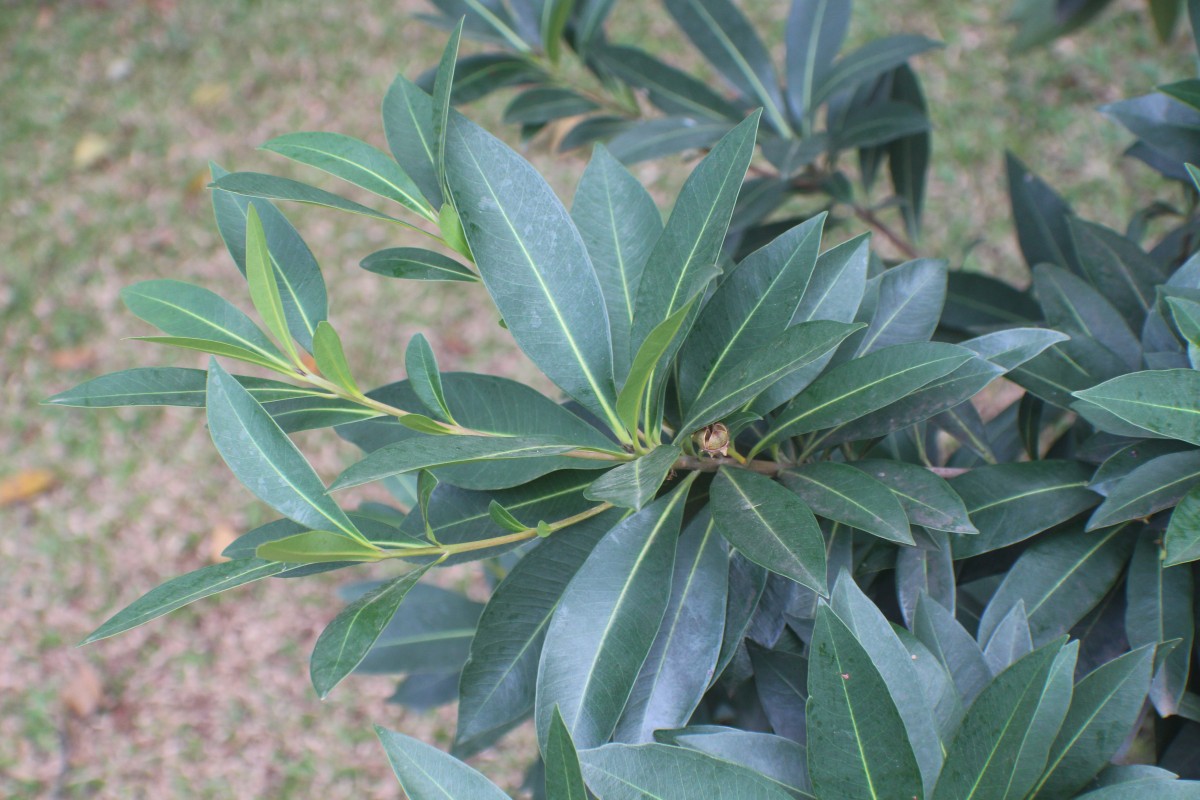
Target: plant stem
868	216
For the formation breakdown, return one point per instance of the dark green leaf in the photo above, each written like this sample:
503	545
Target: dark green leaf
606	623
976	302
927	498
928	569
877	124
655	138
908	157
634	484
815	32
909	305
345	641
165	386
271	187
1158	608
781	683
857	743
432	635
545	104
178	592
425	378
1182	539
842	493
443	83
427	773
775	757
1165	402
1186	91
564	779
770	526
416	264
636	772
1160	483
555	15
477	76
1075	308
869	62
1010	641
671	89
1041	218
1118	268
408	124
954	647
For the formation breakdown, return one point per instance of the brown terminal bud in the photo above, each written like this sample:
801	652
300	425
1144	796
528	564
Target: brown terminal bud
713	439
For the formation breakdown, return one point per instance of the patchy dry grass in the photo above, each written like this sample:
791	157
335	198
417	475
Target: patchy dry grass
109	112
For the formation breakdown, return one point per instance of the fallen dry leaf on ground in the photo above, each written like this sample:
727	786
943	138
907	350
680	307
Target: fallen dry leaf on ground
83	694
25	485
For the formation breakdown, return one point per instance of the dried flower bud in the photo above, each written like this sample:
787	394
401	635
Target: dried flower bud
714	439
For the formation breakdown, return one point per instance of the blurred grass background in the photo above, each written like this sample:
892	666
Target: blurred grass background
109	114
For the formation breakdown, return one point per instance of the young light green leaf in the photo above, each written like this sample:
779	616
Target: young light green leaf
426	773
443	83
504	518
635	772
417	264
634	484
345	641
533	264
1165	402
842	493
178	592
354	161
408	125
606	622
317	547
264	290
564	778
770	526
857	743
331	358
265	460
1158	608
425	378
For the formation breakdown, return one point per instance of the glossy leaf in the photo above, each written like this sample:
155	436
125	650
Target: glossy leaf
927	498
426	773
953	646
770	526
850	496
345	642
1158	608
416	264
1164	402
634	484
1159	483
606	623
634	772
772	756
909	304
316	547
408	125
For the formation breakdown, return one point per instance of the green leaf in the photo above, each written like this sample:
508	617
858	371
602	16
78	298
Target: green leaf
770	526
816	30
976	302
1158	608
317	547
619	224
606	622
780	680
1160	483
984	760
331	358
1073	365
1165	402
869	62
555	15
426	773
727	39
265	460
414	263
927	569
1162	788
774	757
1104	707
533	264
909	304
453	234
272	187
1060	578
443	83
878	124
190	314
296	270
1075	308
1185	91
432	635
672	90
1008	503
858	387
384	532
1041	218
355	161
543	104
1118	268
1186	314
497	685
411	455
178	592
564	778
908	156
408	125
927	499
635	772
857	743
635	483
844	494
655	138
682	660
425	378
504	518
1010	641
216	349
165	386
1182	539
345	641
958	651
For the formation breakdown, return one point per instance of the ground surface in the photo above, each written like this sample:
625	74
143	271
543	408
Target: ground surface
109	113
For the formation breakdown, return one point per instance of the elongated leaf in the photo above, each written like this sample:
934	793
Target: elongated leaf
1163	788
858	746
1165	402
671	89
497	684
770	526
606	623
331	358
976	302
682	660
534	264
1000	724
354	161
1011	502
779	759
879	124
564	778
1060	578
1158	608
272	187
655	138
636	395
443	83
634	484
869	62
619	224
858	387
815	32
954	647
178	592
265	460
316	547
1182	539
296	270
747	583
1010	641
1041	218
928	569
725	37
408	125
1160	483
842	493
1075	308
426	773
432	635
1103	708
634	772
927	498
910	301
908	156
543	104
165	386
425	378
416	264
1118	268
345	641
781	683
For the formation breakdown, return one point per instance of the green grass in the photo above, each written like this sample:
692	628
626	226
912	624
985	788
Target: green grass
214	701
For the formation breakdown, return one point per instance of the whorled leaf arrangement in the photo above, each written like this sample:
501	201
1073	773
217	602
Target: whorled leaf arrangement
767	547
